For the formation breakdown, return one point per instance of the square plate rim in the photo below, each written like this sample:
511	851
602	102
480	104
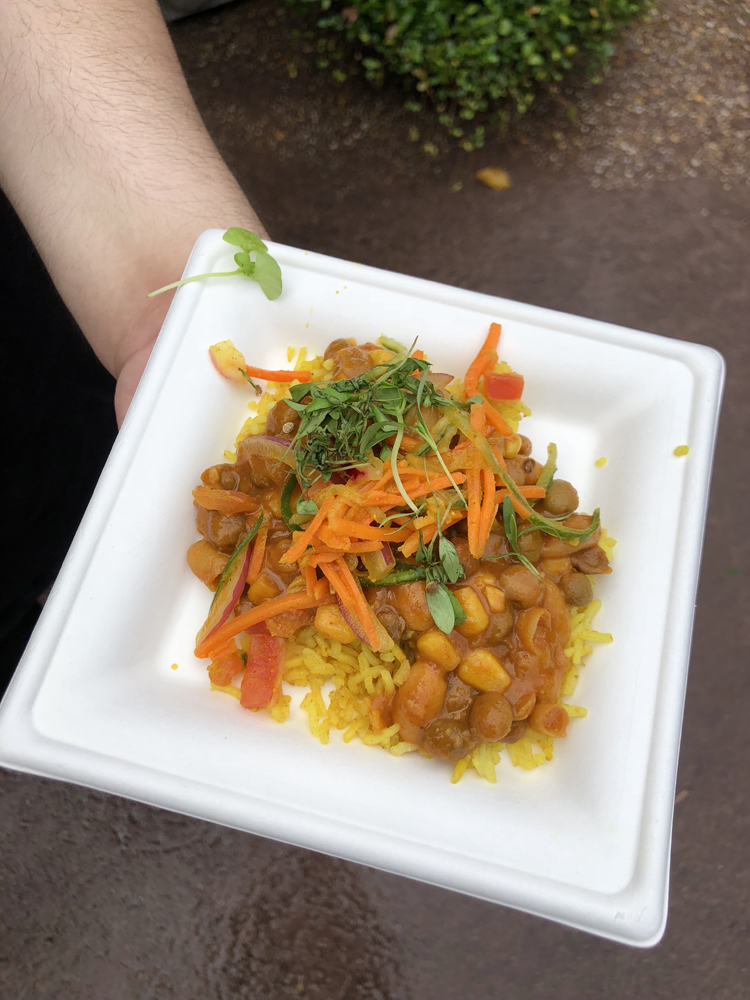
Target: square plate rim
23	748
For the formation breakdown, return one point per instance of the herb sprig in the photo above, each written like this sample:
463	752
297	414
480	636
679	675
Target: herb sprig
342	422
264	270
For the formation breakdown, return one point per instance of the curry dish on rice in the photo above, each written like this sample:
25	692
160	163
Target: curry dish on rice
384	538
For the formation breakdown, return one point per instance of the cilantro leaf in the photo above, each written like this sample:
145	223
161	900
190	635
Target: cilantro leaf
449	559
267	274
441	606
307	507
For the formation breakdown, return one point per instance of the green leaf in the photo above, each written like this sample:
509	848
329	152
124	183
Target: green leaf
268	275
307	507
244	239
458	611
509	523
391	345
285	503
255	386
549	469
441	607
449	559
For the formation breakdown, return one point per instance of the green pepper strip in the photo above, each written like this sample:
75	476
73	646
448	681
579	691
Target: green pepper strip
285	503
461	421
399	576
235	556
550	468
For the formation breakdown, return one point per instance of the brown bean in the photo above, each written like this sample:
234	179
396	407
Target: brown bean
447	739
593	560
577	588
500	625
525	448
410	601
491	716
335	346
530	545
517	732
533	471
467	560
562	498
225	531
515	470
419	699
283	421
520	585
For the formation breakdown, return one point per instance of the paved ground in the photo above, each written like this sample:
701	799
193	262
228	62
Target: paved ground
106	900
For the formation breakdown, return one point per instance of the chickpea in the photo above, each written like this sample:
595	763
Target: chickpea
490	717
511	446
437	647
330	622
520	585
562	498
549	719
577	588
482	670
264	588
447	739
477	618
206	562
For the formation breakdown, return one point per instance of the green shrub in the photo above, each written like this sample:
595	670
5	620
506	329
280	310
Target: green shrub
477	57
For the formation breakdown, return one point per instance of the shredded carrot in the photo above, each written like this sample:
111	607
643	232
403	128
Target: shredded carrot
332	540
281	376
363	610
489	508
494	418
484	359
304	538
322	589
474	515
410	547
368	531
259	552
530	492
478	421
338	586
419	355
268	609
311	578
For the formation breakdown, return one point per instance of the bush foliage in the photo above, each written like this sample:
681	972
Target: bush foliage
478	57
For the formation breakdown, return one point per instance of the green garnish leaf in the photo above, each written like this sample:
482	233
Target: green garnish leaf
392	345
511	533
549	469
268	275
441	606
264	270
307	508
458	611
244	239
449	559
285	503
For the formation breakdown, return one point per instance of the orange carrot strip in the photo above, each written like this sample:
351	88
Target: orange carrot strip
304	538
338	586
368	531
473	478
419	355
530	492
478	421
311	578
482	361
332	540
489	508
518	507
410	547
362	607
259	552
494	418
281	376
322	589
268	609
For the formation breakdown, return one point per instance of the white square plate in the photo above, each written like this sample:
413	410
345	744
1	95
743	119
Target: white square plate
584	840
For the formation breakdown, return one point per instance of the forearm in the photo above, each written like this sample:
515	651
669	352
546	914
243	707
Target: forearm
106	160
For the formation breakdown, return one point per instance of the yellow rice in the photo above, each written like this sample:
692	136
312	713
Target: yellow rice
342	679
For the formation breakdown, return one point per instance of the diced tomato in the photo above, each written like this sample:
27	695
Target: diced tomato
503	385
261	682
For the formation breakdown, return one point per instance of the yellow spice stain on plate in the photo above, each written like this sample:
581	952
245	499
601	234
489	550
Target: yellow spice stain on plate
174	666
600	462
681	450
